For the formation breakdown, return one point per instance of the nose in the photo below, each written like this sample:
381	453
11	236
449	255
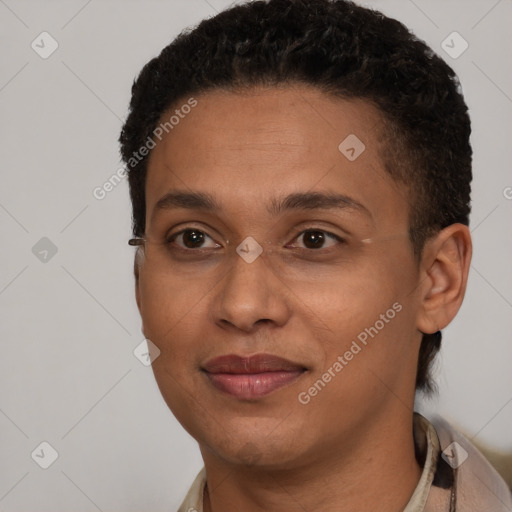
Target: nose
250	294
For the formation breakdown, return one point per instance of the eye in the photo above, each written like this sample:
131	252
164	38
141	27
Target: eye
316	238
192	238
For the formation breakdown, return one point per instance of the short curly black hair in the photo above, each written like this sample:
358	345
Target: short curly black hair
346	51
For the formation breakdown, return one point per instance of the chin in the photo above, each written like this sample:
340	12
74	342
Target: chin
256	451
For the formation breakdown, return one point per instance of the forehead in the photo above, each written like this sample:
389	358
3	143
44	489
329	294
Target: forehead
247	148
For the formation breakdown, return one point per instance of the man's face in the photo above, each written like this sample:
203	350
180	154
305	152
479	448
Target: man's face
331	280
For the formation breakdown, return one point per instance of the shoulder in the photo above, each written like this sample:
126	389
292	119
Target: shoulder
477	485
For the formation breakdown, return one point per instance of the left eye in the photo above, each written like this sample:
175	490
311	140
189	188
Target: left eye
315	238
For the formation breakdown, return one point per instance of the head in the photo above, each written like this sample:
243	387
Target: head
253	106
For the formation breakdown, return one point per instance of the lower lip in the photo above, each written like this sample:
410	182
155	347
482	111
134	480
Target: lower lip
253	385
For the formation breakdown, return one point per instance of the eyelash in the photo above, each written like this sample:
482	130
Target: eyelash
171	238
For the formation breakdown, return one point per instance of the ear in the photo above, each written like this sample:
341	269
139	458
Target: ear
444	274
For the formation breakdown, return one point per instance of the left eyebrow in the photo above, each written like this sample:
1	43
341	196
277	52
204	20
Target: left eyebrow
295	201
316	201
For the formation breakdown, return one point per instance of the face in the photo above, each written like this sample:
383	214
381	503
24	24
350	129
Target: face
303	337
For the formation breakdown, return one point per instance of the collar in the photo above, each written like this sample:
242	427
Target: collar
426	445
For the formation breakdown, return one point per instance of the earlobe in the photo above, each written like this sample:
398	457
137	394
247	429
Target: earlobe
446	260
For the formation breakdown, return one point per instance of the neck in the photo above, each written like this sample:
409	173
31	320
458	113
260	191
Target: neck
375	470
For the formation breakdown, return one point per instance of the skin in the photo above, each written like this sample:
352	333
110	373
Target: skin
352	444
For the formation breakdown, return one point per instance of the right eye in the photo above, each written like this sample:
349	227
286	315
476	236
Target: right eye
191	239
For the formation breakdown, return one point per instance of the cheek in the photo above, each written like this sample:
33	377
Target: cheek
167	298
173	313
348	295
365	311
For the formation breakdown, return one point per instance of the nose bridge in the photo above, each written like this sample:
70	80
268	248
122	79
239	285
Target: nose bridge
250	291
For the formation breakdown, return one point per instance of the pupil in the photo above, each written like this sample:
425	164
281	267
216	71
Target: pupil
194	237
315	237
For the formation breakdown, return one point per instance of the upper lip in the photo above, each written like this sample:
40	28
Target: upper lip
258	363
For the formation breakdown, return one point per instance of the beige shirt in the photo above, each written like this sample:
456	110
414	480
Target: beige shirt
424	434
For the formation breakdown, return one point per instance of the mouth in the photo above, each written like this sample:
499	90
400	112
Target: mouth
249	378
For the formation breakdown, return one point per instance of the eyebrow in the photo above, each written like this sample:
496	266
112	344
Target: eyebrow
295	201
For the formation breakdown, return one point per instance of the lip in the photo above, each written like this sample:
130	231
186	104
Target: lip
252	377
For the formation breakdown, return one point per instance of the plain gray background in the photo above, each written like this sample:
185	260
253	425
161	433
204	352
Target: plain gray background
69	324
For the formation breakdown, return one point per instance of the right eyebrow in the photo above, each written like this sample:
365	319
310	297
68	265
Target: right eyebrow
188	200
